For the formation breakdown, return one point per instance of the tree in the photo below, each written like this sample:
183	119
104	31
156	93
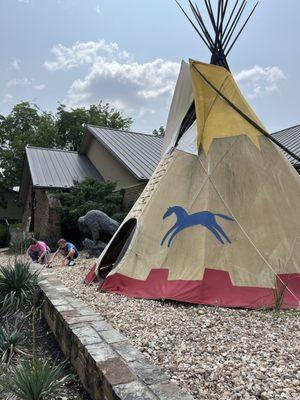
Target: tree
71	124
24	125
3	199
159	132
87	195
28	125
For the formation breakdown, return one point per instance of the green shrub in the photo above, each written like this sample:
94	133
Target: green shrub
34	379
16	226
83	197
11	341
17	287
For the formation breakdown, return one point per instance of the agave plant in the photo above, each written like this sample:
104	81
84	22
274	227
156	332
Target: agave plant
11	341
17	285
34	379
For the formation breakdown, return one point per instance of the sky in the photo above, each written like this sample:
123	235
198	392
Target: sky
127	53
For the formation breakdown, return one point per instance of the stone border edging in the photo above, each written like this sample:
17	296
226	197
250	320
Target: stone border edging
108	365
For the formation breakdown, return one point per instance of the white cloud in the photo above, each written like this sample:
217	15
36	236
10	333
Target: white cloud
81	53
259	81
15	64
135	88
42	86
97	9
24	81
19	82
141	90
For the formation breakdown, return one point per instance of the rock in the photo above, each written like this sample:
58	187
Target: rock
94	249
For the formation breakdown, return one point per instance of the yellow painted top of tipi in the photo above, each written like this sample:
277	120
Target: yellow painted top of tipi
215	117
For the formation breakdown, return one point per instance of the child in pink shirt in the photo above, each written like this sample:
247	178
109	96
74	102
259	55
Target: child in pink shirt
37	251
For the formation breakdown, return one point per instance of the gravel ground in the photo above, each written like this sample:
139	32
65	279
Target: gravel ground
212	353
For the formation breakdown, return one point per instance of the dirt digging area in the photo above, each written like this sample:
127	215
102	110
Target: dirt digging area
210	352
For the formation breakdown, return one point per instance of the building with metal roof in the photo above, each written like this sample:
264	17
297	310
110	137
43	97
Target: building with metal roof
59	169
290	138
126	158
137	152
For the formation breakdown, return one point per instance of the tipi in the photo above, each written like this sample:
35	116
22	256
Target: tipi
219	221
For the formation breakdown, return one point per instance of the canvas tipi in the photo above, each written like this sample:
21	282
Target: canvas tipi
219	221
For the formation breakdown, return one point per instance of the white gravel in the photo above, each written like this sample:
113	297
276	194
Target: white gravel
212	353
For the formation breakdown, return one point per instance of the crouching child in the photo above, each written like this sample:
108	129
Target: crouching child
38	251
67	250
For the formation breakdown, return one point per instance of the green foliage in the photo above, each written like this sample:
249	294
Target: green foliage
28	125
34	379
24	125
159	132
3	200
12	341
85	196
35	300
17	287
71	124
4	235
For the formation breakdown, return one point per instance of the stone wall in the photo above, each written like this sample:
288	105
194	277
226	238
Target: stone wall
108	366
131	194
46	217
41	213
54	221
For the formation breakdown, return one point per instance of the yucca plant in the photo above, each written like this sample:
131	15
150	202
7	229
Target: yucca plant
34	379
17	285
12	341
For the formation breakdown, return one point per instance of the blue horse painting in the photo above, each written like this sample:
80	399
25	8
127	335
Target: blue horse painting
185	220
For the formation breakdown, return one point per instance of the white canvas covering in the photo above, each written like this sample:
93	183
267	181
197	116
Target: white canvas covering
188	142
182	99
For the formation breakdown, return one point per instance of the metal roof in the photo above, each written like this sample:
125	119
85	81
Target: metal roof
50	168
290	138
138	152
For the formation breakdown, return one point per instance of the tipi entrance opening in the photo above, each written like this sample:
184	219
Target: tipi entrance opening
117	248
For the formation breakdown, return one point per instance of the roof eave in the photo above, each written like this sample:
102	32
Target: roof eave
36	186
